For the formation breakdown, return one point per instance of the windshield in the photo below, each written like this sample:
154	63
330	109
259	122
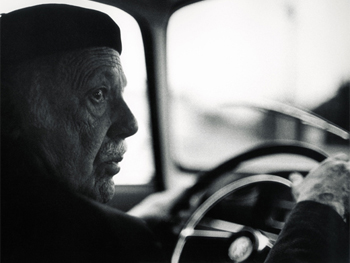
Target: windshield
243	72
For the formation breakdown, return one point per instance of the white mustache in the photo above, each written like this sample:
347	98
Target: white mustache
112	151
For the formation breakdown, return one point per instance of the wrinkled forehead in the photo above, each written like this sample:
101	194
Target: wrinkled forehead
92	65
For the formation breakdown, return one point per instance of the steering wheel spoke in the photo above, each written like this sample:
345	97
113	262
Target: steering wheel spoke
221	225
185	233
264	238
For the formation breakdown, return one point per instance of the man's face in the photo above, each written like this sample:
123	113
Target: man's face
84	141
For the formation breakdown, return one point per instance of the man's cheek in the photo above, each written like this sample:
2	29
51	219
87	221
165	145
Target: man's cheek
92	137
96	127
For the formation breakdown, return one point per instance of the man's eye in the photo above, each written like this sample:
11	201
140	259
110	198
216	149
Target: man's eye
98	95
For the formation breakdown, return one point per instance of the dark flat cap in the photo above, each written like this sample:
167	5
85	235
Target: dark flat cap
52	28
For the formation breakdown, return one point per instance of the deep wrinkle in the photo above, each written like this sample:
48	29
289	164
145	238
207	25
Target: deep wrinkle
81	65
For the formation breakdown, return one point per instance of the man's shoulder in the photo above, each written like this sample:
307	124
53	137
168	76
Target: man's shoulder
55	225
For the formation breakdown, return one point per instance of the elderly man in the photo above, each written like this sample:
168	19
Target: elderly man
64	122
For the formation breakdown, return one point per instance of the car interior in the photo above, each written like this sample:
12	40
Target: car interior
231	97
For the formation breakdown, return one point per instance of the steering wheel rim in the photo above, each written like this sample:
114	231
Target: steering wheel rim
207	179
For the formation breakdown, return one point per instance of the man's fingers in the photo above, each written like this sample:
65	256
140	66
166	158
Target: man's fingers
341	157
296	178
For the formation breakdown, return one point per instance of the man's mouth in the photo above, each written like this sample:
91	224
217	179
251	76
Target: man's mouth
112	167
109	157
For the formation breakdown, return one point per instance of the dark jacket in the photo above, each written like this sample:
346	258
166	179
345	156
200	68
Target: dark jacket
314	233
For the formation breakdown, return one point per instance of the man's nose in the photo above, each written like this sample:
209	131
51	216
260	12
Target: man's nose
124	122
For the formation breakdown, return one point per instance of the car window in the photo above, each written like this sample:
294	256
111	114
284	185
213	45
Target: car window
237	69
139	146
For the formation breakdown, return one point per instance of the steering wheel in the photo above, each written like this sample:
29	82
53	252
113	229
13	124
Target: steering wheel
264	199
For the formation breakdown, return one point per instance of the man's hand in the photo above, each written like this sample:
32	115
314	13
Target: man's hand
328	184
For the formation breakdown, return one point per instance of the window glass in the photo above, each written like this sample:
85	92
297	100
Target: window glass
137	166
237	69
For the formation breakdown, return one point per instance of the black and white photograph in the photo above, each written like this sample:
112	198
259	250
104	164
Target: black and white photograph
175	131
